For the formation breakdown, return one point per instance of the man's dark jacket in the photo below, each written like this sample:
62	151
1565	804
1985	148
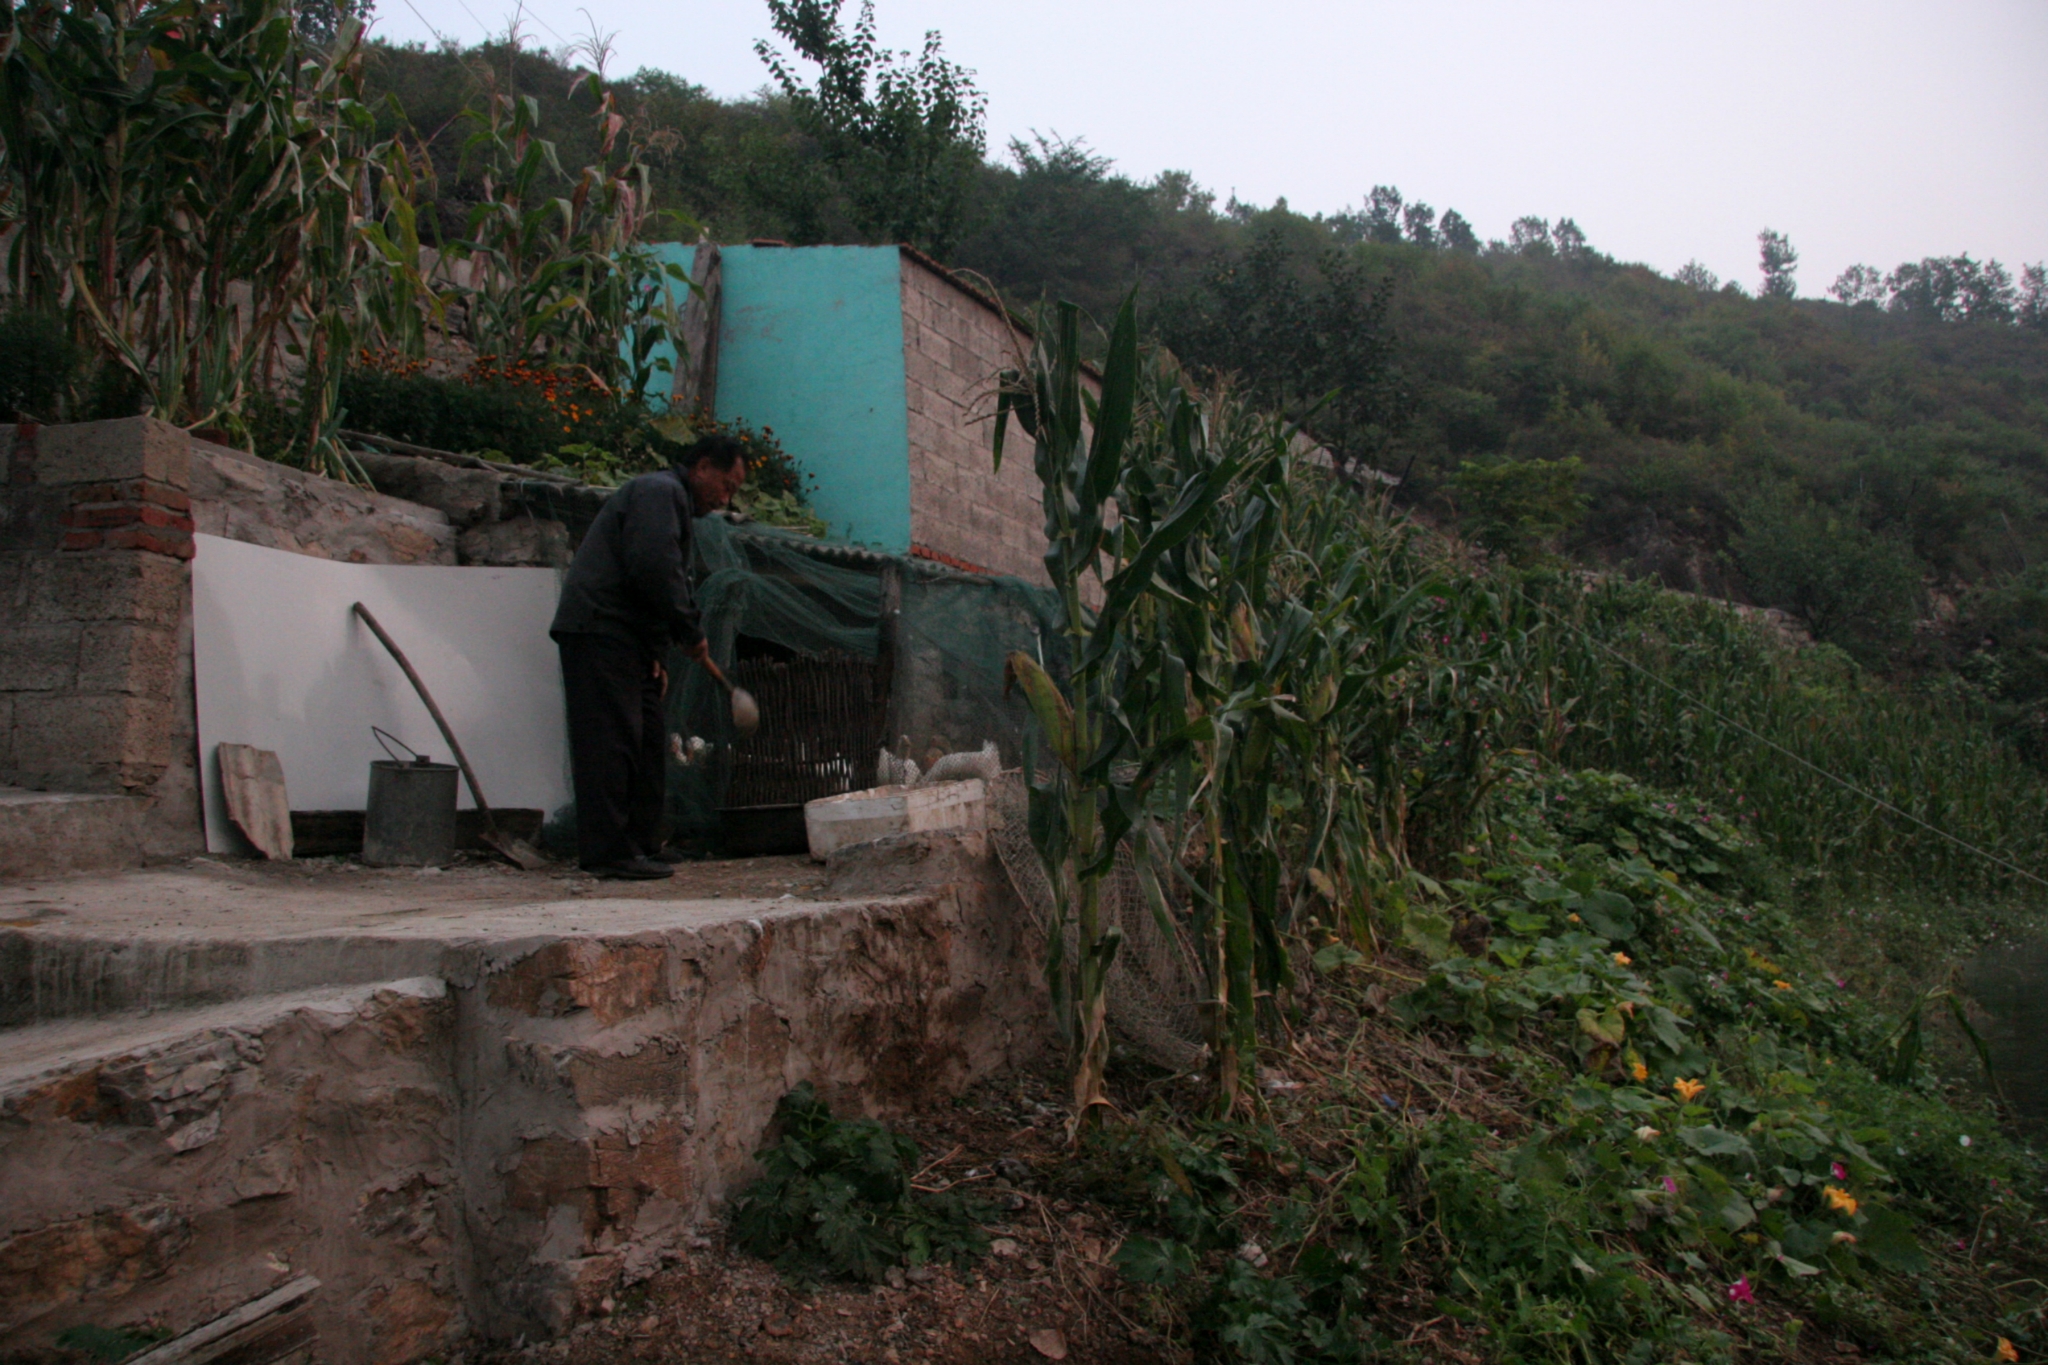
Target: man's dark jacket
631	576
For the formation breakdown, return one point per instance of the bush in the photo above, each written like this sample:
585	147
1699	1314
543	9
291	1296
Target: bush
835	1199
1517	507
523	412
1851	586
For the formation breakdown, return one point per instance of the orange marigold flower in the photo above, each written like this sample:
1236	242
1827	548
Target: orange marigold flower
1621	959
1638	1070
1841	1199
1688	1090
2006	1350
1782	985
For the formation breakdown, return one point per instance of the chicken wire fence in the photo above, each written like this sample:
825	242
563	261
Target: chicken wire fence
1154	991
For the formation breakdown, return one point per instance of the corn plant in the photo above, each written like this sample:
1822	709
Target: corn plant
1088	799
195	189
563	278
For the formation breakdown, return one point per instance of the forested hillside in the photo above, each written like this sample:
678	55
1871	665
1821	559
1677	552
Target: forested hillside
1865	461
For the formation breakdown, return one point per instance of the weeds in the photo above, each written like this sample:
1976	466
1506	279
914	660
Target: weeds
836	1199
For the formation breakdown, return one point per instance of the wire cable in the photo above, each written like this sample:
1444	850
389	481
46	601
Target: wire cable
1768	743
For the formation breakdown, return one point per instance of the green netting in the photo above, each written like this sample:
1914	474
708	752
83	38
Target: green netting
763	589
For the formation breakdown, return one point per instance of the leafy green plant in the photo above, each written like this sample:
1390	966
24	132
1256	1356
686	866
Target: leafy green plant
836	1198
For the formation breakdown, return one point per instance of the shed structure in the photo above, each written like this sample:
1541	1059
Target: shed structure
876	368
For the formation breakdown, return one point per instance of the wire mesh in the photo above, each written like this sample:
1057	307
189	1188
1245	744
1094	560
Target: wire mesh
1154	981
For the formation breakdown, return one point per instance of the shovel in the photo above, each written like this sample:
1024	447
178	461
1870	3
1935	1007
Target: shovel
517	850
746	712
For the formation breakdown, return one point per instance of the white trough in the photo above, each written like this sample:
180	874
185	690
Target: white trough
836	822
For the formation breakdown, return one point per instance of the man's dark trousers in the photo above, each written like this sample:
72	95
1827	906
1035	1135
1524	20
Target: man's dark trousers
616	739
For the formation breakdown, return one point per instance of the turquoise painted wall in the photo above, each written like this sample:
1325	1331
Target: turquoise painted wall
811	344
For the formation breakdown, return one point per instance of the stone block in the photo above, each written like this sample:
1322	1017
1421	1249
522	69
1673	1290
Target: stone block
46	833
468	497
520	543
91	743
107	587
126	448
40	658
128	656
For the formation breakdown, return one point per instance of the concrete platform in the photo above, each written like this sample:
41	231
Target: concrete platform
52	833
473	1103
213	930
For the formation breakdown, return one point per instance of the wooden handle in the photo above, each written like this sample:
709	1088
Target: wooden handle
716	672
461	759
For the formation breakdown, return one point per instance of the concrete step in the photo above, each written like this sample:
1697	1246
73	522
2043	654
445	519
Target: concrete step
49	833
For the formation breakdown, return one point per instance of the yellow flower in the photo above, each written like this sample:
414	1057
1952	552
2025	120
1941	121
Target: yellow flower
1782	985
1688	1090
1840	1199
1638	1070
2006	1350
1621	959
1573	918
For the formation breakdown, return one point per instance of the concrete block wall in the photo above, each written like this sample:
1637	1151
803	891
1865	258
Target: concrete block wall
961	507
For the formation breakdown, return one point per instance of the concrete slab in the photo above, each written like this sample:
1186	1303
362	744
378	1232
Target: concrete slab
213	930
53	833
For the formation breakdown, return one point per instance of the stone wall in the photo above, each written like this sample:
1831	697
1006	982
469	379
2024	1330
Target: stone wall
961	508
496	1146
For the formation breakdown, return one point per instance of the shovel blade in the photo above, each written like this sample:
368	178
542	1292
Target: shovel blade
525	855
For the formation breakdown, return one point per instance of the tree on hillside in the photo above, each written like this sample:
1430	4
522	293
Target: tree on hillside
1693	275
1518	508
2032	308
1456	233
903	134
1851	586
1953	289
1530	236
1308	338
1418	223
1778	261
1383	214
1570	240
320	21
1859	284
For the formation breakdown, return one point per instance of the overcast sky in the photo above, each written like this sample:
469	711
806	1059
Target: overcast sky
1876	131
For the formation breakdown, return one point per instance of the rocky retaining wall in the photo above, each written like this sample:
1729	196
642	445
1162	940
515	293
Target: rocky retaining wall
495	1148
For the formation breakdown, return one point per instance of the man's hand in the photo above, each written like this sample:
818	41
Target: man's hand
661	674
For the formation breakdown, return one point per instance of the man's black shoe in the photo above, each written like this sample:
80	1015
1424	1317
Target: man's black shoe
634	869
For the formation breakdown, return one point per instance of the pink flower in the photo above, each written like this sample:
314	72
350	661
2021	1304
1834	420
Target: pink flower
1839	1171
1740	1292
1670	1185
